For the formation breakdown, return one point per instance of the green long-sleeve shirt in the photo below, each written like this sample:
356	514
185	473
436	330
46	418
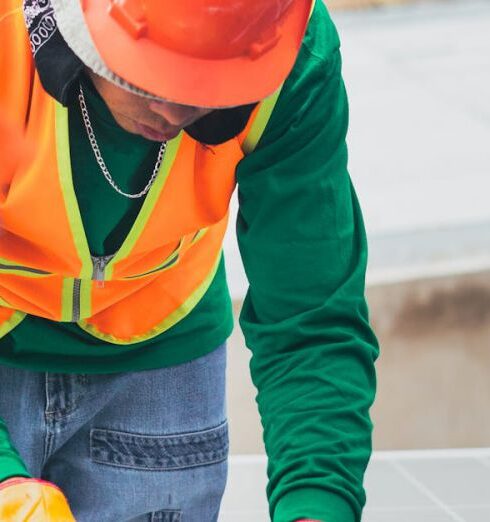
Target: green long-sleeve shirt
303	245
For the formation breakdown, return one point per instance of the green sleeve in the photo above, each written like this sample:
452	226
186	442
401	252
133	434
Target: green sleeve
11	464
13	51
303	245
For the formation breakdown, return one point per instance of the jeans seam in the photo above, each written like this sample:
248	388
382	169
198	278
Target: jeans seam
205	431
48	423
160	469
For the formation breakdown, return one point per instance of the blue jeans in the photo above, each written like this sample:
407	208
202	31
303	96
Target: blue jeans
137	446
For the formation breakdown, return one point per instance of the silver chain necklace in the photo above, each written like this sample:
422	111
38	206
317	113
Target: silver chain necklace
100	160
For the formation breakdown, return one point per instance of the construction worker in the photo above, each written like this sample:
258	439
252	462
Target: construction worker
143	116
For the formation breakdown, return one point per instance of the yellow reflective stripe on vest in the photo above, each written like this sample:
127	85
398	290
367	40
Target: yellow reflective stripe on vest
85	299
148	205
13	268
66	182
198	235
168	322
67	299
169	262
312	8
76	299
260	122
11	323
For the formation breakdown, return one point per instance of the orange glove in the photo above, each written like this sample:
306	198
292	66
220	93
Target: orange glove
31	500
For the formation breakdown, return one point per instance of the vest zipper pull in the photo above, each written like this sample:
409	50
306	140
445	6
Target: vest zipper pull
100	264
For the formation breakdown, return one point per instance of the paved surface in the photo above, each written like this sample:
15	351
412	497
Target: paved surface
430	486
418	78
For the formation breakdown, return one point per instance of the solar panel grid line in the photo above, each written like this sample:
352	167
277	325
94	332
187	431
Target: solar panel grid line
485	462
401	486
415	508
426	491
446	453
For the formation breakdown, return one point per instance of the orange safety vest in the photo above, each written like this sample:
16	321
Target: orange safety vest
168	259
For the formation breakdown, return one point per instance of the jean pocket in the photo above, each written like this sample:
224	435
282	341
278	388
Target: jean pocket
161	452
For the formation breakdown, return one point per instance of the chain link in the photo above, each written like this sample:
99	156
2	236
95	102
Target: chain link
100	160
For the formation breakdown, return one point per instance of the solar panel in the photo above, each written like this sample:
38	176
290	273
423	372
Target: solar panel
405	486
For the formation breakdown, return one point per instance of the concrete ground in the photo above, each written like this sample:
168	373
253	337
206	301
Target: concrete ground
418	78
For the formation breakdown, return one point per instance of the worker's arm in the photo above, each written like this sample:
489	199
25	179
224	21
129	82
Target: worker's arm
305	319
15	62
11	464
22	498
12	151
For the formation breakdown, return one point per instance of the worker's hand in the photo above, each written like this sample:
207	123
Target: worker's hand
31	500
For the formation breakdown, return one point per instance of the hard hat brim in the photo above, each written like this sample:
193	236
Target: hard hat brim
187	80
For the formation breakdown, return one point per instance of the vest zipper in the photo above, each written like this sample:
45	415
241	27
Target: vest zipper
76	299
100	263
21	268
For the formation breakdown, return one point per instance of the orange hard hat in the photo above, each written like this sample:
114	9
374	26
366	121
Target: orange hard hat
207	53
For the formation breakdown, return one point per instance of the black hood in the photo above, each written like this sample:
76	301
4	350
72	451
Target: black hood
59	70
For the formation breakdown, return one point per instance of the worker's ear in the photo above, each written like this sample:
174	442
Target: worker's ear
220	125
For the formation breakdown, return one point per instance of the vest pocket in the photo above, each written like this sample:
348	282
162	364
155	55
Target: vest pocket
13	268
169	262
184	244
198	235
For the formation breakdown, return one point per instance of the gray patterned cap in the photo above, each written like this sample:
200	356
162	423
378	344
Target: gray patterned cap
72	26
